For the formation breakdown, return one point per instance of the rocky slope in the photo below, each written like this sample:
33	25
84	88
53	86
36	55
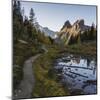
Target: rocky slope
49	32
46	31
68	30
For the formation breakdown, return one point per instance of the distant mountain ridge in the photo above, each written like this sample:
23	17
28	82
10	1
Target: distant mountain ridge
49	32
46	31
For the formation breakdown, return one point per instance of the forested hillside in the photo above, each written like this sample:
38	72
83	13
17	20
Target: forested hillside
27	39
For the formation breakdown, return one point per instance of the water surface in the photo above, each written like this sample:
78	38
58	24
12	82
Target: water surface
78	73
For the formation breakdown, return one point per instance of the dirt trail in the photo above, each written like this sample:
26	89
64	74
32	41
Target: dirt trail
26	86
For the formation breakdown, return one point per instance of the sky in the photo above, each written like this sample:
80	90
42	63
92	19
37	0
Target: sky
54	16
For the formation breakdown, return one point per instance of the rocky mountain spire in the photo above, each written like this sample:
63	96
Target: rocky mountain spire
68	30
66	24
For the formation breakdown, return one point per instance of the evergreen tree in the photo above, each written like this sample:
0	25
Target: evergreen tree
32	16
79	40
17	20
22	11
92	32
26	22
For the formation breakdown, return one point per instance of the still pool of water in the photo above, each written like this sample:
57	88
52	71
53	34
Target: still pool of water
78	73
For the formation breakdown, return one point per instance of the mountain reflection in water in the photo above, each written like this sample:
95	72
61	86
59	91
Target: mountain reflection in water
78	73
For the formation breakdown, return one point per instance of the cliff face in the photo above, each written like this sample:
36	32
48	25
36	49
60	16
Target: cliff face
68	30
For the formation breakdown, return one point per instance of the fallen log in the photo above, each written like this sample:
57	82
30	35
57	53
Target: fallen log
76	67
78	74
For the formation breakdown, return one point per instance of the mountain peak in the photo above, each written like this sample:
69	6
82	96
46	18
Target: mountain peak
80	22
45	27
66	24
69	31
